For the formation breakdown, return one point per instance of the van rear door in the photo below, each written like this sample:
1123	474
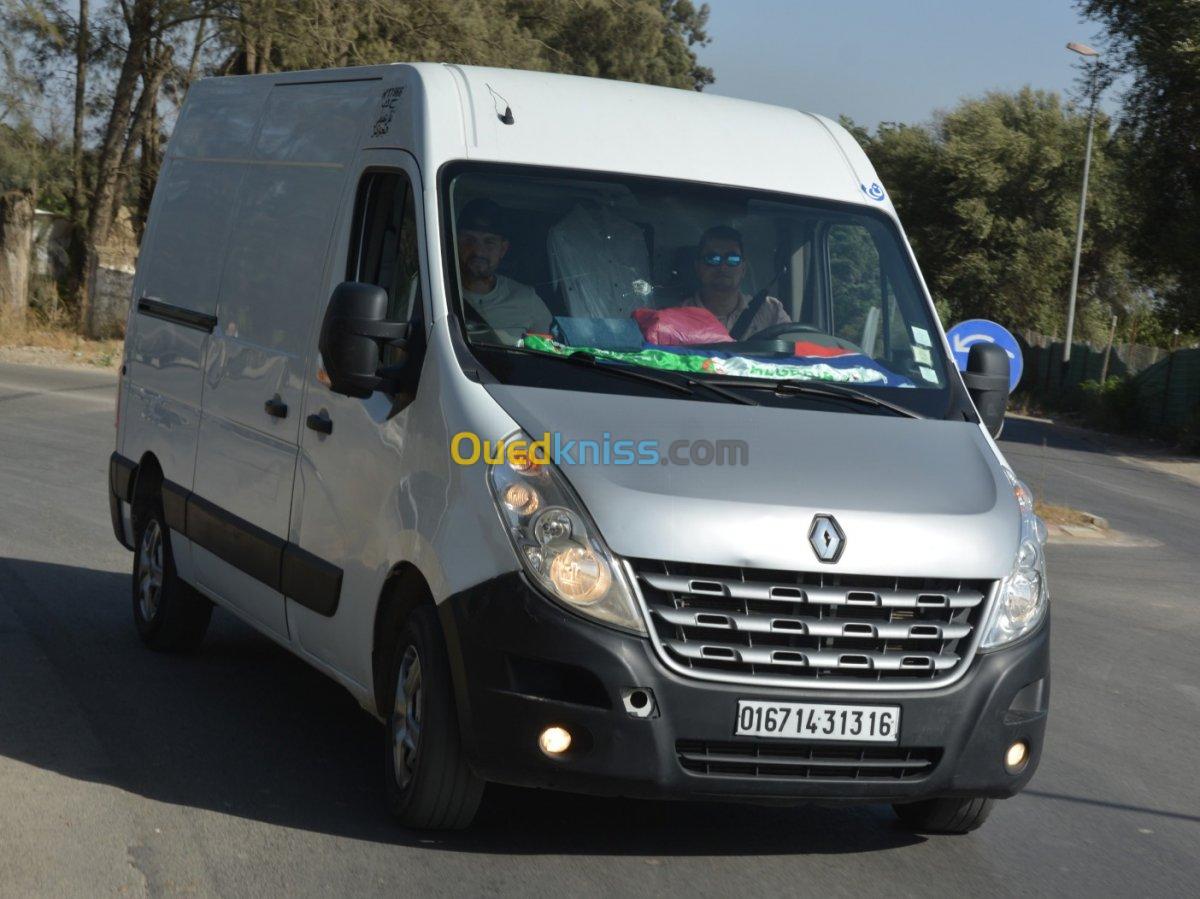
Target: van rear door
272	278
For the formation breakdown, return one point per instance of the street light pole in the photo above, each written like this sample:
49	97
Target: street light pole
1082	50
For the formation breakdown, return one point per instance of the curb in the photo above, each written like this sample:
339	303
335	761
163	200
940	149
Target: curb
1096	528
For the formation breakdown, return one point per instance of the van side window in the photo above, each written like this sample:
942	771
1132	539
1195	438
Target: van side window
385	250
856	285
384	246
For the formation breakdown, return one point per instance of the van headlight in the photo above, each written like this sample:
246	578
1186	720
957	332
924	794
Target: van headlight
1024	596
558	545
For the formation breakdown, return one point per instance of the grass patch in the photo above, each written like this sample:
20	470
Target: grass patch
36	338
1061	514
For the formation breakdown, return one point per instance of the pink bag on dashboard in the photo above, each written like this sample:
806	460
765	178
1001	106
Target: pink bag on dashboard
680	326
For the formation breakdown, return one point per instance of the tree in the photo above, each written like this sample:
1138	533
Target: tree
31	158
78	201
1157	43
989	194
650	41
133	42
279	35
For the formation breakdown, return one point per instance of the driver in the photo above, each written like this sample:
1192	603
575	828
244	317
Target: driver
720	267
508	307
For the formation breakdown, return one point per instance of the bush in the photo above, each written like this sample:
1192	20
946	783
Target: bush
1113	405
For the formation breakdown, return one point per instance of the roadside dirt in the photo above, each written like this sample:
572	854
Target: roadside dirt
89	354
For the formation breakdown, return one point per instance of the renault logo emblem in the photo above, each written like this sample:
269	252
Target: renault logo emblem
826	538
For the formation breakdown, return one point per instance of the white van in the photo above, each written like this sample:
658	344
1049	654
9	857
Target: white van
595	436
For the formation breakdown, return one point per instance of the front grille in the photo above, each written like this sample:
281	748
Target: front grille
810	629
762	759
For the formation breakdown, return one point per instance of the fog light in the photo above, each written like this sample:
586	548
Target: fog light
1016	757
555	740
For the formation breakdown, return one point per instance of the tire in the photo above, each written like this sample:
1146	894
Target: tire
945	815
430	786
170	615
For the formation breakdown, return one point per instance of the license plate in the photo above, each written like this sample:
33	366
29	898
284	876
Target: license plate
818	721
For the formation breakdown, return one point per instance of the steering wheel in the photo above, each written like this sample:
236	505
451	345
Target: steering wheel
775	332
770	333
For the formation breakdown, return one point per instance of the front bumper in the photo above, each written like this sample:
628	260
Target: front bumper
521	663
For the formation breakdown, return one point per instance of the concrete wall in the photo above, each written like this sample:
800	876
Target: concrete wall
51	245
111	288
110	280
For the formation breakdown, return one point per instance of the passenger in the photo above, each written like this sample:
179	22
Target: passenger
508	307
720	268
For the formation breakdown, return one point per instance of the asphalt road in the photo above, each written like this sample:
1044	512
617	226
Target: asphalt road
240	771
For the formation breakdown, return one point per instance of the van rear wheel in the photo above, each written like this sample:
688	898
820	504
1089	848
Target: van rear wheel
170	615
945	815
429	783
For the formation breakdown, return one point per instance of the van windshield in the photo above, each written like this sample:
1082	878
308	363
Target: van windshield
707	282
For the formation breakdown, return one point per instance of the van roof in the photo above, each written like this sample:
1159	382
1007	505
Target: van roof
598	124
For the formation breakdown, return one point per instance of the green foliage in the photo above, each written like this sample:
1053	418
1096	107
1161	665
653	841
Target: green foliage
282	35
649	41
1157	42
1113	405
29	160
854	270
989	193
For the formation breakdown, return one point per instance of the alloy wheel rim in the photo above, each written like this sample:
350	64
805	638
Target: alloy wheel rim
406	718
150	571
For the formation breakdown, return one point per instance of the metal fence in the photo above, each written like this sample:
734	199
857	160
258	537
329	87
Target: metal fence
1166	384
1169	391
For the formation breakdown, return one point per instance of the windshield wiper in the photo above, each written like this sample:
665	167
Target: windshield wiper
584	359
719	391
842	392
817	388
587	360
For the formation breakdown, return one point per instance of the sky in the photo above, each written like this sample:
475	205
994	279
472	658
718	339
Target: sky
891	60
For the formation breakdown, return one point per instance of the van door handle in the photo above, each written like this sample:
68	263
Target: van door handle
276	407
319	422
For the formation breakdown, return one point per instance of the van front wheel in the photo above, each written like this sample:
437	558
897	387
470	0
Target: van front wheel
945	815
170	615
429	783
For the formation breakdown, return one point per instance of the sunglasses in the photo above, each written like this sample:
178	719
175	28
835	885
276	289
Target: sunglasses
733	260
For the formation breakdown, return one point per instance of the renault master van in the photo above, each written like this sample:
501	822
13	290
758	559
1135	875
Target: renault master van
595	436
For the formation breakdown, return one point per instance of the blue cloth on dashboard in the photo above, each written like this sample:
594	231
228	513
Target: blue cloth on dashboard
622	334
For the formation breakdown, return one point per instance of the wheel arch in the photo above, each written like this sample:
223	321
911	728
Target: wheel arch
147	483
405	590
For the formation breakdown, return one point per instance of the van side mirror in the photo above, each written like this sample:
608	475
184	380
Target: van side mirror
353	335
986	378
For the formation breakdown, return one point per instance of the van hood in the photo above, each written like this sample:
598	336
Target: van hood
913	497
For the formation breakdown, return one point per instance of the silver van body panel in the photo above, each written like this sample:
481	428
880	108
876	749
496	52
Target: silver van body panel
915	498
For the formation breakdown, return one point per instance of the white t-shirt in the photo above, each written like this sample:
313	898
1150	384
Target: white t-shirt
510	308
